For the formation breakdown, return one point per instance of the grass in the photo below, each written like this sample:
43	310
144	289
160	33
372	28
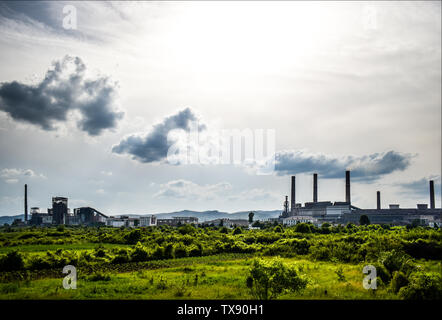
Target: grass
224	279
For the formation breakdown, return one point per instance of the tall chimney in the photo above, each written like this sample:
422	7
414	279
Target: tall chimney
26	202
432	206
378	194
293	199
315	187
347	186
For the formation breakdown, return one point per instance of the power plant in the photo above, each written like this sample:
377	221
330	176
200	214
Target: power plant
315	212
319	212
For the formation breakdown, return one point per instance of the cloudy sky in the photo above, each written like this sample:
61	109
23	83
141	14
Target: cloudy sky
88	106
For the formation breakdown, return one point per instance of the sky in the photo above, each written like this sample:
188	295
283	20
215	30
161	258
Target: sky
95	96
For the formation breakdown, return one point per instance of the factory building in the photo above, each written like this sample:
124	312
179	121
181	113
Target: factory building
318	212
178	221
132	221
61	214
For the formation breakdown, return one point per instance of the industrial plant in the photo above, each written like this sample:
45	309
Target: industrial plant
320	212
61	214
315	212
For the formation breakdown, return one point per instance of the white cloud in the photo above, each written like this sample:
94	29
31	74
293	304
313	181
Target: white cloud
184	189
13	175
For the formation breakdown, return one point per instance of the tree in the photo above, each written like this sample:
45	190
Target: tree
363	220
11	261
269	279
133	237
423	286
251	214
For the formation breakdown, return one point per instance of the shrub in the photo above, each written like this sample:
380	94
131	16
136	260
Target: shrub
11	261
393	260
303	228
340	274
399	280
186	229
382	273
121	257
269	279
180	251
363	220
133	237
320	252
139	253
278	229
426	249
423	286
237	230
99	276
224	230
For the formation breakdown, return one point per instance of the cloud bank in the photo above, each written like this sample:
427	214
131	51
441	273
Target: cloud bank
153	146
13	175
364	168
63	89
184	189
420	187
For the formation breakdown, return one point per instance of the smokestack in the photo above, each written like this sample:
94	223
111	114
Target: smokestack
315	187
432	206
26	202
293	199
347	186
378	194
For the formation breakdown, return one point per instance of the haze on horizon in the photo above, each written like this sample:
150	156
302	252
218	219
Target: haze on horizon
85	112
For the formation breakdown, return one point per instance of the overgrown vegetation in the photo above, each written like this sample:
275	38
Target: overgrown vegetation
399	254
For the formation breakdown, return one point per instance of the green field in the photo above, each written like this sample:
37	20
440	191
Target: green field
215	263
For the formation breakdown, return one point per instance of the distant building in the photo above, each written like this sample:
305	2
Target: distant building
88	216
344	212
59	210
293	220
177	221
147	221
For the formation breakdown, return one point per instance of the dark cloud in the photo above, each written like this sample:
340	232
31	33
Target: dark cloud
64	88
420	187
31	10
153	146
365	168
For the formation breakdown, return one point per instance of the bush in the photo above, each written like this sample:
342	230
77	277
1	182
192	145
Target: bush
237	230
269	279
139	253
399	280
186	229
426	249
364	220
224	230
99	276
133	237
121	257
423	286
278	229
303	228
180	251
11	261
393	260
382	273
